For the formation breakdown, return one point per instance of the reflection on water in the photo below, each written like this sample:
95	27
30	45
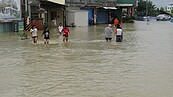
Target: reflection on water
87	65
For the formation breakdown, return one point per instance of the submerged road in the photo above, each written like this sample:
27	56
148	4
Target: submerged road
88	66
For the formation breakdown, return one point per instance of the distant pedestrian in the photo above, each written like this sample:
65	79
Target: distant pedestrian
148	19
60	28
108	33
119	34
34	33
65	33
46	34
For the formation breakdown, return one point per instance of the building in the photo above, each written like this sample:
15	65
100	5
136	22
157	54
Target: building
10	13
127	6
99	11
77	18
43	12
169	8
55	11
30	12
103	11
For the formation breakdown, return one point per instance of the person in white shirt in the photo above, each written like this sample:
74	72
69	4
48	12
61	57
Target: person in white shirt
119	34
108	33
34	33
60	28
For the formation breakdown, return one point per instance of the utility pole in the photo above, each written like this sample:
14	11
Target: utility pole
26	7
146	8
29	8
147	18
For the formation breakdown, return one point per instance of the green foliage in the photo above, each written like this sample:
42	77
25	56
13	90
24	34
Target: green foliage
161	9
128	19
164	12
45	25
146	8
141	9
23	35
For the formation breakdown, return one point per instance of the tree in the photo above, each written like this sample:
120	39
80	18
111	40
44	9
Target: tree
161	9
151	8
141	9
146	8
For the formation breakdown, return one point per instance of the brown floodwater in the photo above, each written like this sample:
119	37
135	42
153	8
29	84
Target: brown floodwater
87	65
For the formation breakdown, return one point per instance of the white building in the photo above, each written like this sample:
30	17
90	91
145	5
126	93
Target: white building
77	18
169	8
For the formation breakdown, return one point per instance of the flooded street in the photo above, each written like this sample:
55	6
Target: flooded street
88	66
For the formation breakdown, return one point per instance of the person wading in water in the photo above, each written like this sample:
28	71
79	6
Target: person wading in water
46	34
34	33
119	34
108	33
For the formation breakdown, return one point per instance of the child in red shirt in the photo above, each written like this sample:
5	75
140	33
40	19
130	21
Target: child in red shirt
66	32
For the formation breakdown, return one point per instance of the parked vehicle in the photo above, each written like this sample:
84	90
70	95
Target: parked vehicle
140	18
171	20
163	17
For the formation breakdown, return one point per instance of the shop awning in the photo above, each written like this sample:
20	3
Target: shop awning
109	8
51	4
124	5
61	2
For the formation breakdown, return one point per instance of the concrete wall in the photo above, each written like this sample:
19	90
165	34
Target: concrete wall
1	27
78	17
70	18
7	27
58	19
81	18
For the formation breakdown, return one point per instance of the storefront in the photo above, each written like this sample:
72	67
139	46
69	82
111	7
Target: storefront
55	13
102	16
90	15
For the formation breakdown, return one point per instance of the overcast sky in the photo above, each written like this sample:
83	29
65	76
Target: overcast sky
162	3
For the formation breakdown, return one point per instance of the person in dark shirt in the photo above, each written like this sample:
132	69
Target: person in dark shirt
46	34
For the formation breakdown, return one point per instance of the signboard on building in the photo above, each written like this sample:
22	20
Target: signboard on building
10	10
20	26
